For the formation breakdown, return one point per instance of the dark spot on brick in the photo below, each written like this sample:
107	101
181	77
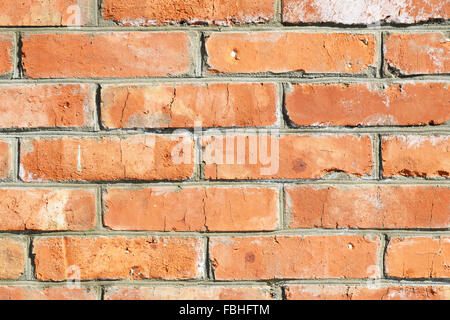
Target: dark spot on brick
299	165
250	257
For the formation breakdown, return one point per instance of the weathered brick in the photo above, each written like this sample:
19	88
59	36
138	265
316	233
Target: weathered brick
177	106
109	54
377	207
376	292
416	156
415	53
141	157
188	293
168	12
47	106
294	257
418	257
286	157
12	258
6	53
166	258
209	209
50	293
364	104
45	13
6	159
279	52
364	11
44	209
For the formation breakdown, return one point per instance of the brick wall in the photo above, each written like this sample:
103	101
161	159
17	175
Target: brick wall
272	149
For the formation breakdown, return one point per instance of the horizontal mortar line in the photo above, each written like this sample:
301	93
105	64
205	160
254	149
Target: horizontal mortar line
317	28
231	283
235	234
226	79
444	129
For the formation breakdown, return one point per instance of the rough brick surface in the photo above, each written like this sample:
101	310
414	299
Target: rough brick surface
44	209
104	55
6	60
51	293
6	155
364	12
159	12
415	53
418	257
365	104
119	258
12	258
300	156
210	209
416	156
188	293
375	292
143	157
47	106
271	257
309	52
45	13
371	207
169	106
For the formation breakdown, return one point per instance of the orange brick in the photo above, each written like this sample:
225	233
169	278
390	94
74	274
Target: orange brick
385	207
45	13
166	258
51	106
5	159
209	209
12	258
294	257
50	210
51	293
6	53
377	292
177	106
111	54
159	12
279	52
414	53
416	156
188	293
418	257
286	157
364	11
363	104
142	157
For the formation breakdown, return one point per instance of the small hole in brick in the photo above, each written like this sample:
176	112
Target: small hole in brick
234	54
350	246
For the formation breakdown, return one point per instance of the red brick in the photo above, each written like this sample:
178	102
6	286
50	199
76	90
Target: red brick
166	258
364	11
279	52
6	53
418	257
363	104
175	106
6	159
209	209
377	292
110	54
188	293
12	258
142	157
294	257
45	13
50	210
415	53
297	157
159	12
40	106
51	293
384	207
416	156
